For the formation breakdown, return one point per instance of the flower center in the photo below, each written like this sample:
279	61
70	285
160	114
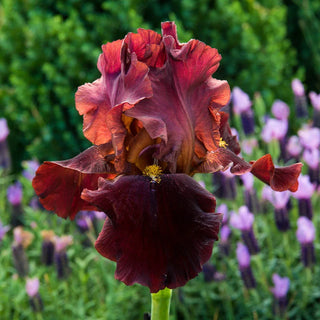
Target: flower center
154	172
222	144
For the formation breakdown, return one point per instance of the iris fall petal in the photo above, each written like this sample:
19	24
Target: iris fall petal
59	183
160	234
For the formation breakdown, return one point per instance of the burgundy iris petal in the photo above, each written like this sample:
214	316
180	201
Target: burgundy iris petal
59	183
160	234
279	179
183	93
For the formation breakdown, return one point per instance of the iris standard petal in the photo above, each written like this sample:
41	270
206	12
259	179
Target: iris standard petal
159	233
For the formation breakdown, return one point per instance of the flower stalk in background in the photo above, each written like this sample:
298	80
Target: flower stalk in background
154	118
224	184
312	159
304	193
32	289
3	231
224	244
299	98
243	221
306	233
14	196
22	239
47	248
60	256
243	257
279	200
242	107
250	195
5	160
280	290
315	101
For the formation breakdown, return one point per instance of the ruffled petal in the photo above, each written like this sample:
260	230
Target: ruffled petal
59	183
123	81
279	179
160	234
183	93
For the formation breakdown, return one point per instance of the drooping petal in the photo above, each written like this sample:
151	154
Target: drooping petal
160	234
124	80
279	179
183	93
59	183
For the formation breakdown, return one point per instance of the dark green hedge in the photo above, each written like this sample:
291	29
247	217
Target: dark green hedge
49	48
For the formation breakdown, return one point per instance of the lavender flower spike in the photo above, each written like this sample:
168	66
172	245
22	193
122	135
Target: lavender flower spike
250	194
280	110
280	290
30	168
243	257
294	148
242	106
279	200
3	230
304	194
312	158
315	101
224	244
306	233
244	221
300	98
14	195
32	288
60	256
5	161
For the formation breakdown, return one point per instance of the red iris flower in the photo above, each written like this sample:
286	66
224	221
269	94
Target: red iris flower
154	120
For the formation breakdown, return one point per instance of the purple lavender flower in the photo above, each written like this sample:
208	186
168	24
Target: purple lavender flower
22	240
224	244
309	137
60	256
244	222
14	195
297	87
300	98
210	273
274	129
304	194
224	185
247	145
5	161
243	257
294	147
240	100
47	248
32	288
279	200
306	235
250	194
3	230
222	208
242	106
312	158
30	168
280	110
315	101
280	290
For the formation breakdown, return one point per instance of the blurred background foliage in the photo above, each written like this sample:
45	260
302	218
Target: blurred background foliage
49	48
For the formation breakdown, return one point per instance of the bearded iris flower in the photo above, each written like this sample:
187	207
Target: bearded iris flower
154	120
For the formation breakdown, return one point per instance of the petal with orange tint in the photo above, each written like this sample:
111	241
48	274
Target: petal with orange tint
59	183
160	234
124	80
279	179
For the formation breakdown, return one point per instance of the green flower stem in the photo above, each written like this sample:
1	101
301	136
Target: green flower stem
160	304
